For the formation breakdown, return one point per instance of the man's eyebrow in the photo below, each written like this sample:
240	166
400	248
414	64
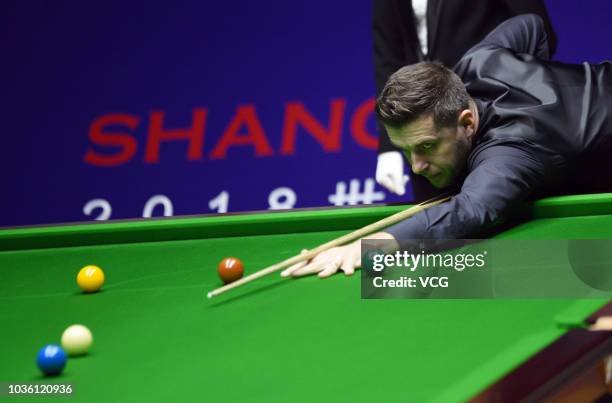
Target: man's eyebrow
427	139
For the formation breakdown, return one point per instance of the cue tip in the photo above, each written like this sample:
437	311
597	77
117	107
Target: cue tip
209	295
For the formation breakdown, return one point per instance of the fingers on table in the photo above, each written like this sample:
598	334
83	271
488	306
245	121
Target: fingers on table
326	264
298	266
330	267
351	261
348	267
311	268
347	261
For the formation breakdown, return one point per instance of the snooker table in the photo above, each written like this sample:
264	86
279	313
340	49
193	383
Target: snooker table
158	338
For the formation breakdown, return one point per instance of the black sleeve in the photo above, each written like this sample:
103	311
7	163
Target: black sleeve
518	7
390	32
503	177
522	34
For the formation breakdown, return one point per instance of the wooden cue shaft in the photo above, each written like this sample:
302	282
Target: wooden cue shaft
368	229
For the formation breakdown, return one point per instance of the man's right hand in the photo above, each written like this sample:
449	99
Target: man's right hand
390	172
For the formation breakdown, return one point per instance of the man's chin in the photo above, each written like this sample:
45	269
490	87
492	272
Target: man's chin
438	182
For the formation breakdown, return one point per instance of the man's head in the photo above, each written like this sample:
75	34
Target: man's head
428	114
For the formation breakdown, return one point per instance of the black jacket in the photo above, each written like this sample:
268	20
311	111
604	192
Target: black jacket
541	122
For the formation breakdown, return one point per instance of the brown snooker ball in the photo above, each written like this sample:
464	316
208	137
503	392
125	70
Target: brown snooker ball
230	269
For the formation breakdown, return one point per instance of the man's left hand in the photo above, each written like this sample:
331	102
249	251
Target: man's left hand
345	258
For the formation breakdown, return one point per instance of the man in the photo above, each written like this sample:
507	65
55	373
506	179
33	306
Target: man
406	32
520	126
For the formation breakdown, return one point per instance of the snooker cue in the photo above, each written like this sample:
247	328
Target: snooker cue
368	229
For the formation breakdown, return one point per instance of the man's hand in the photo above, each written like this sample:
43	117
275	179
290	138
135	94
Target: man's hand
346	258
390	172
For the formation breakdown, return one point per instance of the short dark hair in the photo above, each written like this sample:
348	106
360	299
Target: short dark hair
419	89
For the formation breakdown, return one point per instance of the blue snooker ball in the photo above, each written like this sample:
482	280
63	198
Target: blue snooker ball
51	359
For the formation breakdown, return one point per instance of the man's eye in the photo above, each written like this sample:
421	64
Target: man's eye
426	146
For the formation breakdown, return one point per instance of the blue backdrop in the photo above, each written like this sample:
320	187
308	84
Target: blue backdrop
124	109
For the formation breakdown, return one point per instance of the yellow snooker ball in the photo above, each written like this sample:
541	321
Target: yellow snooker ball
90	278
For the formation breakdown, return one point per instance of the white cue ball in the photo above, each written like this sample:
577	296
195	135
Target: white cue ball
76	340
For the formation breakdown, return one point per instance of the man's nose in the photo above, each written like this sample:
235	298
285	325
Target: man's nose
419	164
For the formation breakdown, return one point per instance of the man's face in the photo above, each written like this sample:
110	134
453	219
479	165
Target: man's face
439	155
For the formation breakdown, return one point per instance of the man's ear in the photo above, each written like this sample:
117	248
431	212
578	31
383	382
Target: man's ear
467	120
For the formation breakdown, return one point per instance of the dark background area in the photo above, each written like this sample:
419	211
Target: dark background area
66	64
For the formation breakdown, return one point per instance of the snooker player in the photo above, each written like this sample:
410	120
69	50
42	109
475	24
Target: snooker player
406	32
505	125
